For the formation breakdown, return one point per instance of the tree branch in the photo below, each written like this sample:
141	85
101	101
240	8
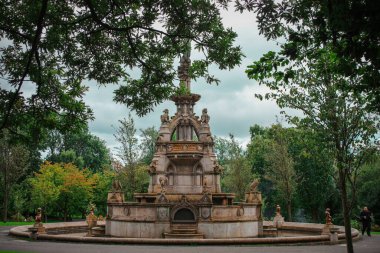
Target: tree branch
31	54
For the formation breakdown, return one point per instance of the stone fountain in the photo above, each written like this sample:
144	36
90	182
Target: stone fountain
184	198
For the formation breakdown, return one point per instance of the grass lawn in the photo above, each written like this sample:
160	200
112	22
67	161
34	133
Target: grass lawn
15	223
11	251
21	223
376	233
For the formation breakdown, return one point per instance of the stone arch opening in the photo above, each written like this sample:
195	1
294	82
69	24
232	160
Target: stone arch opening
181	131
184	215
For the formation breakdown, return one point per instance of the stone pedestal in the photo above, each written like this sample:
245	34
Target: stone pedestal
115	197
92	222
278	221
38	228
334	235
326	229
253	197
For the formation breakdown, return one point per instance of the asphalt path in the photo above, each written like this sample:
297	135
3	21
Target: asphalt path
365	245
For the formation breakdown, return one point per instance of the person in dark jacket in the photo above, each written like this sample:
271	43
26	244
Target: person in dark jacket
365	218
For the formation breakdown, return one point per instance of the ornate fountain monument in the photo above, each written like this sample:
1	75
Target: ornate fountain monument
184	198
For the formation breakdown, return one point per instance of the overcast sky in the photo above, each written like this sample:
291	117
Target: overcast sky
231	105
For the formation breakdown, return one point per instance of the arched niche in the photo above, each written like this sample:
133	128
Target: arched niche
186	132
170	174
184	215
198	175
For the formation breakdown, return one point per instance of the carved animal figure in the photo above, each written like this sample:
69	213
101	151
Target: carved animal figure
255	183
116	185
165	117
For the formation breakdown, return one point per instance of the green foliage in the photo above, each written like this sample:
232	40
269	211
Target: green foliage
237	173
63	188
14	159
55	46
133	171
313	165
102	185
182	90
148	144
350	28
82	148
280	170
369	186
309	79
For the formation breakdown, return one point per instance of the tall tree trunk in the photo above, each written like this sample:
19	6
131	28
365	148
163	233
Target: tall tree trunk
289	208
314	215
6	191
5	204
346	210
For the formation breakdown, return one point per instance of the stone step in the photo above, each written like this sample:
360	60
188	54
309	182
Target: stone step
98	231
184	236
184	226
184	230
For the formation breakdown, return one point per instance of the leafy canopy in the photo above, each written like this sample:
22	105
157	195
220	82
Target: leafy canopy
350	28
53	46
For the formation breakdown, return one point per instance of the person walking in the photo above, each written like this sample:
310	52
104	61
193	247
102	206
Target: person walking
365	218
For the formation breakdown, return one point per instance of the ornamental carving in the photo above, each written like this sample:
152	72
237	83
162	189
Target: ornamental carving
205	212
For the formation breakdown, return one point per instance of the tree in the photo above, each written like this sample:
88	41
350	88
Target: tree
148	143
350	28
102	185
311	83
14	160
314	165
54	46
369	185
133	173
82	148
62	188
236	168
280	171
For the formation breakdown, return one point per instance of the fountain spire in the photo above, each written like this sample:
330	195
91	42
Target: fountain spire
183	68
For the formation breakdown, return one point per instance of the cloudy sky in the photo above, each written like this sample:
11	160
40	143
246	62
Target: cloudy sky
231	105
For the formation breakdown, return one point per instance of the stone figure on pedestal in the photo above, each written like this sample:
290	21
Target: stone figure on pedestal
165	117
163	182
205	118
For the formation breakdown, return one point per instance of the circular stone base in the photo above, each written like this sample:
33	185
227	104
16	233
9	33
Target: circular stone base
74	232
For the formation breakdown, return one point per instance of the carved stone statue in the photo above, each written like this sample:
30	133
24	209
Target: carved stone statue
278	210
163	182
153	166
278	220
217	167
38	227
183	70
205	118
165	117
116	185
206	187
255	183
38	217
328	217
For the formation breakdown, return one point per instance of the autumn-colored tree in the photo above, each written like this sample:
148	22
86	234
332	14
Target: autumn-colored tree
62	187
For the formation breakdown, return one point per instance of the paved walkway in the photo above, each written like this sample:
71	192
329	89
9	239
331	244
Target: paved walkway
366	245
